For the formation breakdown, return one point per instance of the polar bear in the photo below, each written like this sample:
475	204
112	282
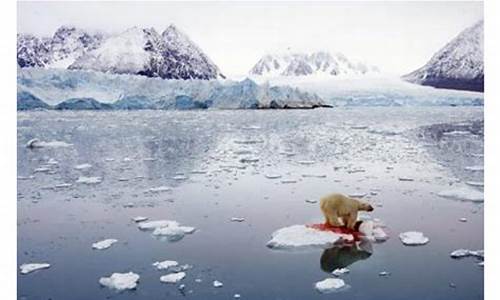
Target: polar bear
335	206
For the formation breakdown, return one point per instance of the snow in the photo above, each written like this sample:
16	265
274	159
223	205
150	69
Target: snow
217	284
413	238
28	268
89	180
120	281
164	265
173	277
464	194
330	285
301	236
104	244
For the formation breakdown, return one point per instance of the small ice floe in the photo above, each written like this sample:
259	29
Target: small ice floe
357	195
301	236
160	189
475	168
52	162
285	181
456	133
273	176
306	162
28	268
236	219
459	253
25	177
166	228
475	183
120	281
359	126
358	170
36	143
128	205
180	177
413	238
405	179
249	159
83	166
251	127
384	274
330	285
463	220
481	264
139	219
373	231
198	172
62	185
151	225
149	159
104	244
127	159
464	194
311	201
314	175
217	284
89	180
340	271
237	296
109	159
166	264
248	142
42	170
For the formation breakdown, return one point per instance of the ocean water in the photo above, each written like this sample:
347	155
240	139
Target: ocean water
216	163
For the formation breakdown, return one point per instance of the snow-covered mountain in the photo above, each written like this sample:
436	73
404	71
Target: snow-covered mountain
458	65
315	63
170	55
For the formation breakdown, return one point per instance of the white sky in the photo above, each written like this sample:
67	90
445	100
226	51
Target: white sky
396	36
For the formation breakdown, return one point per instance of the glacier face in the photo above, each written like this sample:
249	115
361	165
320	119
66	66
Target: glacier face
304	64
170	55
79	89
458	65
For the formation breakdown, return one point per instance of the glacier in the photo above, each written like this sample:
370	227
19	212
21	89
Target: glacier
82	89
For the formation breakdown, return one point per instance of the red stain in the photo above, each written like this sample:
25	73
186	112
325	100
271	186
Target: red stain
335	229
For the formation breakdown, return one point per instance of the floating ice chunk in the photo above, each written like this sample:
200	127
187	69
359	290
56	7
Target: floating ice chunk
62	185
164	265
301	236
198	172
149	159
128	159
41	170
36	143
28	268
83	166
380	235
459	253
179	177
236	219
109	159
160	189
306	162
314	175
273	176
120	281
151	225
413	238
288	181
405	179
140	219
330	285
104	244
481	264
312	201
249	159
172	233
340	271
357	195
52	162
384	274
464	193
237	296
456	133
248	142
475	183
217	284
463	220
359	127
89	180
475	168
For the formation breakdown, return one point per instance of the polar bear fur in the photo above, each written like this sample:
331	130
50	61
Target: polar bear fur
335	206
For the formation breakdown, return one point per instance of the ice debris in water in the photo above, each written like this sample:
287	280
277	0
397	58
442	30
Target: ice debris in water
151	225
459	253
384	274
475	183
405	179
463	220
120	281
301	236
140	219
340	271
36	143
164	265
475	168
273	176
173	277
373	231
83	166
217	284
413	238
89	180
28	268
166	228
330	285
306	162
357	195
237	219
160	189
463	193
237	296
104	244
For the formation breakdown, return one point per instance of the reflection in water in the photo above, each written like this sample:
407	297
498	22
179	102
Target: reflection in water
345	255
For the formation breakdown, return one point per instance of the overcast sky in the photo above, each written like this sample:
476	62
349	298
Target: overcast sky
396	36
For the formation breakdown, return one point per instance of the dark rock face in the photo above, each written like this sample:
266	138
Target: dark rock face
458	65
32	51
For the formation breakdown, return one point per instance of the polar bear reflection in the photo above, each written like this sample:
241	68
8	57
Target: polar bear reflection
345	255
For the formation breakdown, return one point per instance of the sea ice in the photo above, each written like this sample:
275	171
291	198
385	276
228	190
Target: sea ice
89	180
28	268
36	143
140	219
217	284
166	228
306	162
330	285
463	193
160	189
301	236
405	179
120	281
273	176
475	183
164	265
237	219
83	166
459	253
357	195
340	271
413	238
104	244
475	168
151	225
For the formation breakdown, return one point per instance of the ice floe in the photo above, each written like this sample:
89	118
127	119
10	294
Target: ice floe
413	238
160	189
171	230
373	231
217	284
384	274
140	219
89	180
330	285
237	219
164	265
405	179
83	166
151	225
475	168
173	277
459	253
36	143
357	195
28	268
120	281
273	176
463	193
340	271
475	183
301	236
104	244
